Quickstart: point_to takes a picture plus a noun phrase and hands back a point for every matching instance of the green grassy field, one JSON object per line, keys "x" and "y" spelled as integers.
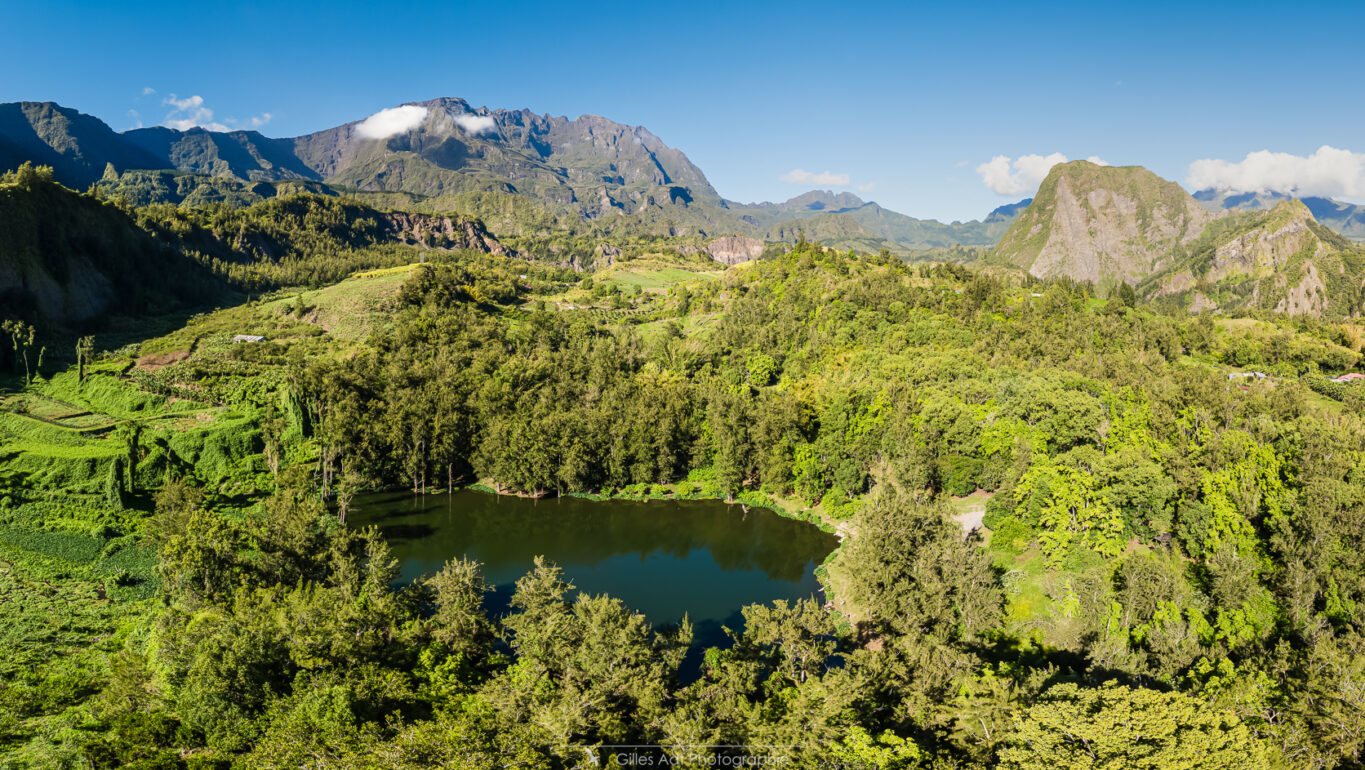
{"x": 657, "y": 277}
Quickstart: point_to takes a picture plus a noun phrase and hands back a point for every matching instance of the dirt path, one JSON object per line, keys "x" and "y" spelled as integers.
{"x": 971, "y": 510}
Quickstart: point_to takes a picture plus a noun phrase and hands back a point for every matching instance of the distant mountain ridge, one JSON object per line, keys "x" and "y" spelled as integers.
{"x": 1347, "y": 219}
{"x": 828, "y": 217}
{"x": 75, "y": 145}
{"x": 589, "y": 170}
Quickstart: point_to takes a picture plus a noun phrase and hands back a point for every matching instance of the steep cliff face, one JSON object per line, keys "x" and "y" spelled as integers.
{"x": 442, "y": 232}
{"x": 1281, "y": 260}
{"x": 1101, "y": 223}
{"x": 1267, "y": 248}
{"x": 734, "y": 249}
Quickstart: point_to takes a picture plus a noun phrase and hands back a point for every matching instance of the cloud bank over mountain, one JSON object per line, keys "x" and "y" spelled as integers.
{"x": 476, "y": 124}
{"x": 391, "y": 122}
{"x": 1329, "y": 172}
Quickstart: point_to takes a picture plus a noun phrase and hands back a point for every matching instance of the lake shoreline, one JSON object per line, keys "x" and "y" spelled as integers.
{"x": 833, "y": 601}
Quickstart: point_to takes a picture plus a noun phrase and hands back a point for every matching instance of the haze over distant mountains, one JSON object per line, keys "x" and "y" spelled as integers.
{"x": 445, "y": 155}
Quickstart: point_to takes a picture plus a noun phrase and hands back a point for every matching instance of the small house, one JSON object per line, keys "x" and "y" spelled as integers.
{"x": 1349, "y": 377}
{"x": 248, "y": 338}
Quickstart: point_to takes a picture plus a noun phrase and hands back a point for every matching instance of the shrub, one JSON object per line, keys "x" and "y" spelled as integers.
{"x": 998, "y": 509}
{"x": 1326, "y": 387}
{"x": 1012, "y": 535}
{"x": 959, "y": 474}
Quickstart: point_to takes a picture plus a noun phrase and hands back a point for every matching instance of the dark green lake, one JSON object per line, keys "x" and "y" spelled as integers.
{"x": 662, "y": 558}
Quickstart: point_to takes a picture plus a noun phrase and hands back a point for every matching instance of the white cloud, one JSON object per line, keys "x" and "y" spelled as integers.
{"x": 395, "y": 120}
{"x": 148, "y": 91}
{"x": 1329, "y": 172}
{"x": 476, "y": 124}
{"x": 826, "y": 178}
{"x": 866, "y": 188}
{"x": 190, "y": 112}
{"x": 1021, "y": 175}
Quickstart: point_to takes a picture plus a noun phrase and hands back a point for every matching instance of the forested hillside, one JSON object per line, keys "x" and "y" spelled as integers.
{"x": 1168, "y": 574}
{"x": 69, "y": 259}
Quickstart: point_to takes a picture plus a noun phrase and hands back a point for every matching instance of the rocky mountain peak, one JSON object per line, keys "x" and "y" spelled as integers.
{"x": 1099, "y": 223}
{"x": 1265, "y": 249}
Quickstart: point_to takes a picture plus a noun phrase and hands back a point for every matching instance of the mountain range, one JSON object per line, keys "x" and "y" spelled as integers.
{"x": 519, "y": 171}
{"x": 528, "y": 176}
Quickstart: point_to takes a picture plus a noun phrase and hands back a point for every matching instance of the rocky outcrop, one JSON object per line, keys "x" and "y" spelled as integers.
{"x": 605, "y": 254}
{"x": 1266, "y": 249}
{"x": 1199, "y": 303}
{"x": 608, "y": 205}
{"x": 1281, "y": 260}
{"x": 1176, "y": 283}
{"x": 1097, "y": 223}
{"x": 1307, "y": 297}
{"x": 443, "y": 232}
{"x": 1280, "y": 255}
{"x": 734, "y": 249}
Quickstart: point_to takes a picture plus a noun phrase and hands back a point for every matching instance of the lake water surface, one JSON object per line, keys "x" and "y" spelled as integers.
{"x": 662, "y": 558}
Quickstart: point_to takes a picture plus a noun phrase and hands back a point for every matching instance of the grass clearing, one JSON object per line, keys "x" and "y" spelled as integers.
{"x": 658, "y": 274}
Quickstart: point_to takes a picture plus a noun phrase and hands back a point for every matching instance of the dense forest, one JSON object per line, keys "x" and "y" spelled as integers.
{"x": 1169, "y": 572}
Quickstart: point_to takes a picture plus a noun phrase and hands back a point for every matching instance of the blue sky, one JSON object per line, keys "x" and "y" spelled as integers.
{"x": 907, "y": 101}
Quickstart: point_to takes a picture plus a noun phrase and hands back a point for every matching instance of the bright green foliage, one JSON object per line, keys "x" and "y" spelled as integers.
{"x": 1145, "y": 520}
{"x": 761, "y": 369}
{"x": 1114, "y": 727}
{"x": 1069, "y": 511}
{"x": 887, "y": 751}
{"x": 1247, "y": 491}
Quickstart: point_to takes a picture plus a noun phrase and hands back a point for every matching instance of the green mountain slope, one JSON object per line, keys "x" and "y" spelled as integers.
{"x": 1101, "y": 224}
{"x": 243, "y": 155}
{"x": 1281, "y": 260}
{"x": 143, "y": 188}
{"x": 68, "y": 258}
{"x": 76, "y": 146}
{"x": 1345, "y": 218}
